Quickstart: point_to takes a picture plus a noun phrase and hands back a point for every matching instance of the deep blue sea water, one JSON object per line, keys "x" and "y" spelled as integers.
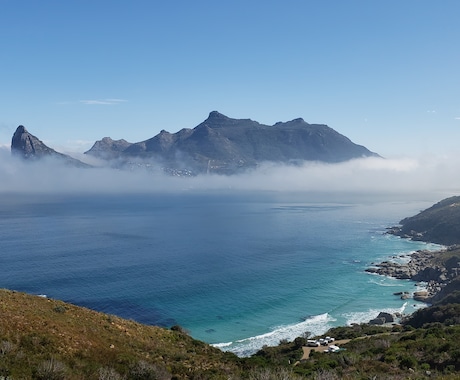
{"x": 236, "y": 270}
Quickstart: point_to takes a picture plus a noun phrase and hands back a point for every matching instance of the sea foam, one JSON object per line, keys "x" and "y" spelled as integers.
{"x": 315, "y": 325}
{"x": 365, "y": 316}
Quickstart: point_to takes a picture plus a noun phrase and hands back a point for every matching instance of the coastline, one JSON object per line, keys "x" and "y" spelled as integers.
{"x": 437, "y": 271}
{"x": 432, "y": 269}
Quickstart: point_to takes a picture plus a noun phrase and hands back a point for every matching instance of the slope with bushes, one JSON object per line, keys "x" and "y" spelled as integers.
{"x": 48, "y": 339}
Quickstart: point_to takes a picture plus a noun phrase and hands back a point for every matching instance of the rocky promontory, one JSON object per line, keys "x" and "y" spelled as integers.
{"x": 435, "y": 268}
{"x": 420, "y": 267}
{"x": 440, "y": 270}
{"x": 438, "y": 224}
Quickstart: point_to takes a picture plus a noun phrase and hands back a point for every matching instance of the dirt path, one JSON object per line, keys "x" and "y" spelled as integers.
{"x": 307, "y": 350}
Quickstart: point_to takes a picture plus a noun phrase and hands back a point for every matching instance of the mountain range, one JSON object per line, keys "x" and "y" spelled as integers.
{"x": 219, "y": 144}
{"x": 225, "y": 145}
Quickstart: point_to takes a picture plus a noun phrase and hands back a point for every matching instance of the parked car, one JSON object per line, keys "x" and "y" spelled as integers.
{"x": 333, "y": 348}
{"x": 312, "y": 343}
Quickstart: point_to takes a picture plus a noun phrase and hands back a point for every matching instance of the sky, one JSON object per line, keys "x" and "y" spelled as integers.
{"x": 383, "y": 73}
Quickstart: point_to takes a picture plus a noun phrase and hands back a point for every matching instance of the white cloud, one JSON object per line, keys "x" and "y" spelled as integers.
{"x": 457, "y": 118}
{"x": 109, "y": 101}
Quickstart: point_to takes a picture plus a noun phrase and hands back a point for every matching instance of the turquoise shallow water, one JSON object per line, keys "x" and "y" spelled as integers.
{"x": 236, "y": 270}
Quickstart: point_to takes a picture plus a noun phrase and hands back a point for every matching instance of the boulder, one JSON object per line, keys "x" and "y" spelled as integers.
{"x": 377, "y": 321}
{"x": 389, "y": 318}
{"x": 421, "y": 296}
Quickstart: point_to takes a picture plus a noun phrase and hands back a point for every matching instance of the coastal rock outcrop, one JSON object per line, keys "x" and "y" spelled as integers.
{"x": 424, "y": 266}
{"x": 377, "y": 321}
{"x": 421, "y": 267}
{"x": 382, "y": 318}
{"x": 422, "y": 296}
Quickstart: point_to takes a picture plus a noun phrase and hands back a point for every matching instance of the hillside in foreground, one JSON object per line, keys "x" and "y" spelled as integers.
{"x": 41, "y": 338}
{"x": 48, "y": 339}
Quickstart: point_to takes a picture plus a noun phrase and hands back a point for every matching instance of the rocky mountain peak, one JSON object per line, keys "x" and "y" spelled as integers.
{"x": 21, "y": 129}
{"x": 215, "y": 115}
{"x": 216, "y": 120}
{"x": 26, "y": 145}
{"x": 298, "y": 120}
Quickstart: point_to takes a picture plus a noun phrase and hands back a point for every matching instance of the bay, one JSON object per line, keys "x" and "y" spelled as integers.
{"x": 238, "y": 270}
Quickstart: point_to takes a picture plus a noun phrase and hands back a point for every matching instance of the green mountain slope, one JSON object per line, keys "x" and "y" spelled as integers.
{"x": 437, "y": 224}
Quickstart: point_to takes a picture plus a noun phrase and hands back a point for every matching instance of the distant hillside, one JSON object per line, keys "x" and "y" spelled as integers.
{"x": 29, "y": 147}
{"x": 437, "y": 224}
{"x": 224, "y": 145}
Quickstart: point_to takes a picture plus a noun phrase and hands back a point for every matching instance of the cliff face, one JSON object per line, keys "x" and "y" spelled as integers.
{"x": 225, "y": 145}
{"x": 29, "y": 147}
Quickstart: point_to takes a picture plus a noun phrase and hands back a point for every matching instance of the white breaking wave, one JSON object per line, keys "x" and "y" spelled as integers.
{"x": 316, "y": 325}
{"x": 380, "y": 281}
{"x": 365, "y": 316}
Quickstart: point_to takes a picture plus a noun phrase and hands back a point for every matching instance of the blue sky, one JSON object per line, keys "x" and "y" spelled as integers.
{"x": 384, "y": 73}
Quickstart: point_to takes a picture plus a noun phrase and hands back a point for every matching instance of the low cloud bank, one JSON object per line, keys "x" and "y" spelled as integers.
{"x": 429, "y": 177}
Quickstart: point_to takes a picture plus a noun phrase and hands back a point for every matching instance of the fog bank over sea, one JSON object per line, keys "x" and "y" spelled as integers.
{"x": 397, "y": 178}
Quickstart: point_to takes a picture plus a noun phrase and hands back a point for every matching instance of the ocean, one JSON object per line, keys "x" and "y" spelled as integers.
{"x": 237, "y": 270}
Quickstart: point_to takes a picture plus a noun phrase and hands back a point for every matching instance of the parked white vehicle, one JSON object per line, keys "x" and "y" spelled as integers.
{"x": 333, "y": 348}
{"x": 312, "y": 343}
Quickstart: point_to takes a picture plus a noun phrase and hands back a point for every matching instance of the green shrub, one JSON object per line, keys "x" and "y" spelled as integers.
{"x": 59, "y": 309}
{"x": 425, "y": 367}
{"x": 406, "y": 362}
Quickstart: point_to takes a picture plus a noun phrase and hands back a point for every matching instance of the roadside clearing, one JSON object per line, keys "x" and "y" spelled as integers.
{"x": 307, "y": 350}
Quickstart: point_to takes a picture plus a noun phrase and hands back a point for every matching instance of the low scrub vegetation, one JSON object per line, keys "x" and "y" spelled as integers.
{"x": 47, "y": 339}
{"x": 42, "y": 338}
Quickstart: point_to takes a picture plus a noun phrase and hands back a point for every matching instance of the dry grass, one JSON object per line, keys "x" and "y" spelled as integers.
{"x": 38, "y": 334}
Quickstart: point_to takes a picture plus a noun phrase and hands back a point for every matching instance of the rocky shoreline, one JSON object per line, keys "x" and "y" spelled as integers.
{"x": 437, "y": 272}
{"x": 423, "y": 266}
